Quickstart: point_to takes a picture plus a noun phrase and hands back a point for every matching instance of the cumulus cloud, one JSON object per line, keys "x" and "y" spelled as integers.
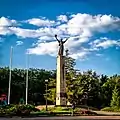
{"x": 18, "y": 43}
{"x": 86, "y": 24}
{"x": 44, "y": 38}
{"x": 44, "y": 48}
{"x": 105, "y": 43}
{"x": 40, "y": 22}
{"x": 79, "y": 27}
{"x": 62, "y": 18}
{"x": 5, "y": 31}
{"x": 24, "y": 33}
{"x": 6, "y": 22}
{"x": 80, "y": 55}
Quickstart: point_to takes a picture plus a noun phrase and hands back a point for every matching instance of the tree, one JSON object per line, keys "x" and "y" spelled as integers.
{"x": 36, "y": 87}
{"x": 82, "y": 88}
{"x": 69, "y": 63}
{"x": 115, "y": 102}
{"x": 51, "y": 96}
{"x": 107, "y": 89}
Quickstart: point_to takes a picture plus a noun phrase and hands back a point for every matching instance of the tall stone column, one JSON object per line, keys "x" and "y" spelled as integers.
{"x": 60, "y": 83}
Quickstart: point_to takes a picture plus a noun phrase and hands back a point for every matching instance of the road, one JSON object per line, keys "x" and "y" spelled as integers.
{"x": 67, "y": 118}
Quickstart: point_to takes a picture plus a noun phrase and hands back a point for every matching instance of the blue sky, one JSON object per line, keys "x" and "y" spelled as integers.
{"x": 92, "y": 25}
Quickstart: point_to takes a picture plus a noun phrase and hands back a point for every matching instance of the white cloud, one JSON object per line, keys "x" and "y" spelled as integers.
{"x": 5, "y": 25}
{"x": 24, "y": 33}
{"x": 105, "y": 43}
{"x": 51, "y": 48}
{"x": 5, "y": 31}
{"x": 18, "y": 43}
{"x": 75, "y": 41}
{"x": 86, "y": 24}
{"x": 6, "y": 22}
{"x": 62, "y": 18}
{"x": 31, "y": 33}
{"x": 94, "y": 42}
{"x": 45, "y": 38}
{"x": 79, "y": 27}
{"x": 44, "y": 48}
{"x": 81, "y": 55}
{"x": 40, "y": 22}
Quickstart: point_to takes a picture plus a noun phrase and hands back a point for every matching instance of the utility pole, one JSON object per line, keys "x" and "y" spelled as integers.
{"x": 10, "y": 67}
{"x": 27, "y": 79}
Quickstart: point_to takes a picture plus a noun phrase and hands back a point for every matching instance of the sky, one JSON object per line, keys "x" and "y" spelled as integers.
{"x": 92, "y": 26}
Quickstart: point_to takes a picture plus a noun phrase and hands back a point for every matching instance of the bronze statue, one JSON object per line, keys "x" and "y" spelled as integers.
{"x": 61, "y": 44}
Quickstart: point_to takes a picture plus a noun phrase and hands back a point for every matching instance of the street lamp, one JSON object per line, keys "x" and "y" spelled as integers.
{"x": 73, "y": 102}
{"x": 46, "y": 83}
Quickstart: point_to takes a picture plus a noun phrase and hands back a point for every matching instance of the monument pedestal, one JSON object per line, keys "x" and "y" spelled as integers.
{"x": 60, "y": 82}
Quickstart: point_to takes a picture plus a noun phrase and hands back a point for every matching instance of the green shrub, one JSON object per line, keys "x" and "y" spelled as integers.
{"x": 17, "y": 110}
{"x": 77, "y": 110}
{"x": 7, "y": 106}
{"x": 24, "y": 109}
{"x": 57, "y": 109}
{"x": 111, "y": 109}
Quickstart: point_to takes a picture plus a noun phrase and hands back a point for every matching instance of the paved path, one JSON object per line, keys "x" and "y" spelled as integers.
{"x": 68, "y": 118}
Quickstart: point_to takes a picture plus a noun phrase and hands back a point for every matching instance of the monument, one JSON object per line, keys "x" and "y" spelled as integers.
{"x": 60, "y": 80}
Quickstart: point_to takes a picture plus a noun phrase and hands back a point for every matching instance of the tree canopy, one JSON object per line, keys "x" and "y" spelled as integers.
{"x": 83, "y": 88}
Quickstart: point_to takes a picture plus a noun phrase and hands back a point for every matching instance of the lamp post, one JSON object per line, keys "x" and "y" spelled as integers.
{"x": 46, "y": 83}
{"x": 9, "y": 89}
{"x": 73, "y": 102}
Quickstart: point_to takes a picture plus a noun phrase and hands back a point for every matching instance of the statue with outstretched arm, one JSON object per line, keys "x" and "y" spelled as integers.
{"x": 61, "y": 45}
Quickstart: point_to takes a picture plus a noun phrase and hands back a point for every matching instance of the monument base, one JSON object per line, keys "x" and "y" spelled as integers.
{"x": 60, "y": 83}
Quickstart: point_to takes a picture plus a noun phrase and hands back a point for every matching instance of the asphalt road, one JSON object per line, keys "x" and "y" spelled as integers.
{"x": 67, "y": 118}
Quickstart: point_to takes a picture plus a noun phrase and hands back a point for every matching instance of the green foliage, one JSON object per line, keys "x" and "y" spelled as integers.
{"x": 108, "y": 109}
{"x": 111, "y": 109}
{"x": 84, "y": 89}
{"x": 51, "y": 96}
{"x": 88, "y": 88}
{"x": 115, "y": 102}
{"x": 57, "y": 109}
{"x": 69, "y": 64}
{"x": 107, "y": 89}
{"x": 17, "y": 110}
{"x": 36, "y": 87}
